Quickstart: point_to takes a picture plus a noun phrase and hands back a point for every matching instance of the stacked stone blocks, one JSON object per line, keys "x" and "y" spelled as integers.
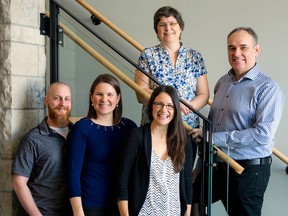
{"x": 22, "y": 84}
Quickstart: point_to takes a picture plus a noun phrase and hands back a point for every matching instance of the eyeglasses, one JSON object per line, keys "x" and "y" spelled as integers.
{"x": 163, "y": 24}
{"x": 161, "y": 105}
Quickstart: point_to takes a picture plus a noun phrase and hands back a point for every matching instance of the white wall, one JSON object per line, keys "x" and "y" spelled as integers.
{"x": 207, "y": 24}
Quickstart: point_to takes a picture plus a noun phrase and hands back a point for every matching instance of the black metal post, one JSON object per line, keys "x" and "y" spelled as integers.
{"x": 54, "y": 54}
{"x": 206, "y": 158}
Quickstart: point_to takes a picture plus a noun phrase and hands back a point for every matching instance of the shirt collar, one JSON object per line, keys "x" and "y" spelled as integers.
{"x": 46, "y": 130}
{"x": 251, "y": 74}
{"x": 179, "y": 51}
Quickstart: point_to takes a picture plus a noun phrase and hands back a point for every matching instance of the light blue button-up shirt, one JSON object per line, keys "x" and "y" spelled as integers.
{"x": 245, "y": 114}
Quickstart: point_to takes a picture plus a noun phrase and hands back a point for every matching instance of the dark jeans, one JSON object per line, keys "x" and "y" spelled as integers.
{"x": 246, "y": 190}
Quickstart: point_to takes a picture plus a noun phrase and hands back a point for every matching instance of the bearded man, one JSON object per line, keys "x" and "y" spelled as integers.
{"x": 38, "y": 170}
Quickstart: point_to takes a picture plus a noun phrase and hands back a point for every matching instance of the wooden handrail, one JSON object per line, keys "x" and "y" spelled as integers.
{"x": 280, "y": 155}
{"x": 230, "y": 161}
{"x": 111, "y": 25}
{"x": 105, "y": 62}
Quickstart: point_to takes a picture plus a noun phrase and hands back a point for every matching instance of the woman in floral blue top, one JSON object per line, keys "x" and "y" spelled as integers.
{"x": 173, "y": 64}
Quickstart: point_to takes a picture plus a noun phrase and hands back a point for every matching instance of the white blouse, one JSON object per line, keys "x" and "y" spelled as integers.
{"x": 163, "y": 196}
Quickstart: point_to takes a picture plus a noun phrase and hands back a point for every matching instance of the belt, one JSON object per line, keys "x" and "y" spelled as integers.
{"x": 257, "y": 161}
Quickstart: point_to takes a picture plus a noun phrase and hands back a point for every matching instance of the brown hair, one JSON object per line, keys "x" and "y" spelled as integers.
{"x": 168, "y": 11}
{"x": 176, "y": 134}
{"x": 111, "y": 80}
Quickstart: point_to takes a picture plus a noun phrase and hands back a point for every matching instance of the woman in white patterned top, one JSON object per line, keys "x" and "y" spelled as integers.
{"x": 172, "y": 63}
{"x": 157, "y": 161}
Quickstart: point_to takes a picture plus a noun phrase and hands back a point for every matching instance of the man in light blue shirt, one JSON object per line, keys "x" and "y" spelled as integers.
{"x": 245, "y": 114}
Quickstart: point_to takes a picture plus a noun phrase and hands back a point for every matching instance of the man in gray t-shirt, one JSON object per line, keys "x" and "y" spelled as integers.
{"x": 38, "y": 169}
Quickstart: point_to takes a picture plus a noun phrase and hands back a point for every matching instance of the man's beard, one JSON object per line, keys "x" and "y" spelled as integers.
{"x": 62, "y": 120}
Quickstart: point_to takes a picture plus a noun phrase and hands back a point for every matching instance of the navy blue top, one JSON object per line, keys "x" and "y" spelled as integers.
{"x": 92, "y": 161}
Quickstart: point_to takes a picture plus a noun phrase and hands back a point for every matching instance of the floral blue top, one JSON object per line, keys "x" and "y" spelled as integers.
{"x": 183, "y": 76}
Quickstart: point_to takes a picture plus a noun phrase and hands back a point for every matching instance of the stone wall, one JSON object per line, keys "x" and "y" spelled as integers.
{"x": 22, "y": 84}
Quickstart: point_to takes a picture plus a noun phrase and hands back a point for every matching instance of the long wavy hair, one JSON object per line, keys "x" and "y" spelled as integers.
{"x": 111, "y": 80}
{"x": 176, "y": 134}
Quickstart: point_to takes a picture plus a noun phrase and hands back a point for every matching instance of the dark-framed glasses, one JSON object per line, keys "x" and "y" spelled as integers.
{"x": 160, "y": 105}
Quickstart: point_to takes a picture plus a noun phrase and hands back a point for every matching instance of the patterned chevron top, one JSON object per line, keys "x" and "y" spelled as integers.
{"x": 163, "y": 196}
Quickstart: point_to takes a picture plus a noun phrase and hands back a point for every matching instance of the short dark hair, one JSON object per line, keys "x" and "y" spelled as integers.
{"x": 168, "y": 11}
{"x": 176, "y": 134}
{"x": 248, "y": 30}
{"x": 106, "y": 78}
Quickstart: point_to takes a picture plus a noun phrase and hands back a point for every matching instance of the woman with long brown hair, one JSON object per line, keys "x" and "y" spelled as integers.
{"x": 156, "y": 168}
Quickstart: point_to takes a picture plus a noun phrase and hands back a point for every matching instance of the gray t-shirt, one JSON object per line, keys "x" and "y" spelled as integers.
{"x": 40, "y": 157}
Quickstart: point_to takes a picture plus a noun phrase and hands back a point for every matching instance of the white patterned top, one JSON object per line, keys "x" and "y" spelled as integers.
{"x": 182, "y": 76}
{"x": 163, "y": 196}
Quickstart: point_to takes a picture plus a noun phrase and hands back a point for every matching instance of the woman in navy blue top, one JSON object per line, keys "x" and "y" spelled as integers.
{"x": 93, "y": 145}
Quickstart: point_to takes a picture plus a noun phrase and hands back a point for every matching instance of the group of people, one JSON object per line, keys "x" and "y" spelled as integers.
{"x": 105, "y": 165}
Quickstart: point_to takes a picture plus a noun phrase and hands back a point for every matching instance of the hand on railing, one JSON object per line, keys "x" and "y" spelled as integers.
{"x": 197, "y": 135}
